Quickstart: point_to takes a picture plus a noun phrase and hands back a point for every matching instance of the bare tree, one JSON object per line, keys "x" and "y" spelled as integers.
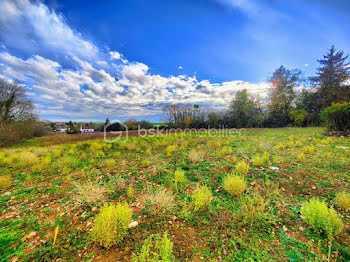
{"x": 14, "y": 104}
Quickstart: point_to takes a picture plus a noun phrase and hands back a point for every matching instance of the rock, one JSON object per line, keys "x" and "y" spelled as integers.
{"x": 133, "y": 224}
{"x": 6, "y": 194}
{"x": 94, "y": 209}
{"x": 274, "y": 168}
{"x": 313, "y": 187}
{"x": 285, "y": 229}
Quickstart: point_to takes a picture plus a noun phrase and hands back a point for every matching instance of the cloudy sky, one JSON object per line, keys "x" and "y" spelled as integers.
{"x": 88, "y": 60}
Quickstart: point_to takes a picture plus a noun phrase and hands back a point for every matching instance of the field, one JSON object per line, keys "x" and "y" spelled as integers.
{"x": 52, "y": 196}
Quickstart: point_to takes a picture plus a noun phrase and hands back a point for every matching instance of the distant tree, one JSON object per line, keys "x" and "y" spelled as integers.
{"x": 244, "y": 110}
{"x": 14, "y": 104}
{"x": 107, "y": 122}
{"x": 307, "y": 100}
{"x": 282, "y": 93}
{"x": 331, "y": 79}
{"x": 298, "y": 116}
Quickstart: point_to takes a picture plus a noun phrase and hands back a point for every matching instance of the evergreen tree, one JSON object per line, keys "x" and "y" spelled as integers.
{"x": 331, "y": 78}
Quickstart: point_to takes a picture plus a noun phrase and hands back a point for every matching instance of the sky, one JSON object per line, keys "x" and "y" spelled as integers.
{"x": 87, "y": 60}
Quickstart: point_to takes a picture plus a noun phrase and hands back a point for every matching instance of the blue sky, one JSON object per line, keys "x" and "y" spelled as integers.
{"x": 88, "y": 60}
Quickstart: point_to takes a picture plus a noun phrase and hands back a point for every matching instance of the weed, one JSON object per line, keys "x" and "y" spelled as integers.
{"x": 266, "y": 157}
{"x": 258, "y": 161}
{"x": 5, "y": 182}
{"x": 301, "y": 158}
{"x": 155, "y": 249}
{"x": 242, "y": 167}
{"x": 110, "y": 163}
{"x": 308, "y": 150}
{"x": 321, "y": 218}
{"x": 180, "y": 180}
{"x": 89, "y": 193}
{"x": 279, "y": 147}
{"x": 145, "y": 163}
{"x": 170, "y": 149}
{"x": 343, "y": 201}
{"x": 202, "y": 197}
{"x": 159, "y": 201}
{"x": 224, "y": 152}
{"x": 234, "y": 185}
{"x": 111, "y": 224}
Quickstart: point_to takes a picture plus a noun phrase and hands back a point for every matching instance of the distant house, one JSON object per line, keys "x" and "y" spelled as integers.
{"x": 61, "y": 129}
{"x": 87, "y": 129}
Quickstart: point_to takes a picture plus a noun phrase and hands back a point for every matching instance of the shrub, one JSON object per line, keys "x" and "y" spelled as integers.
{"x": 5, "y": 182}
{"x": 337, "y": 116}
{"x": 279, "y": 147}
{"x": 258, "y": 161}
{"x": 211, "y": 144}
{"x": 301, "y": 158}
{"x": 308, "y": 150}
{"x": 155, "y": 249}
{"x": 234, "y": 185}
{"x": 145, "y": 163}
{"x": 111, "y": 224}
{"x": 202, "y": 197}
{"x": 242, "y": 168}
{"x": 180, "y": 179}
{"x": 89, "y": 193}
{"x": 159, "y": 201}
{"x": 170, "y": 149}
{"x": 266, "y": 157}
{"x": 109, "y": 163}
{"x": 253, "y": 213}
{"x": 343, "y": 201}
{"x": 224, "y": 152}
{"x": 321, "y": 218}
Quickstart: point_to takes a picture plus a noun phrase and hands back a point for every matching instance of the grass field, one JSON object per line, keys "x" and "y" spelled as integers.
{"x": 222, "y": 198}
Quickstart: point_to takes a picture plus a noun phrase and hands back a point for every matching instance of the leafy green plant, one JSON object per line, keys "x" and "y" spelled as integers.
{"x": 234, "y": 185}
{"x": 202, "y": 197}
{"x": 308, "y": 150}
{"x": 321, "y": 218}
{"x": 111, "y": 224}
{"x": 258, "y": 160}
{"x": 343, "y": 201}
{"x": 242, "y": 167}
{"x": 180, "y": 180}
{"x": 155, "y": 249}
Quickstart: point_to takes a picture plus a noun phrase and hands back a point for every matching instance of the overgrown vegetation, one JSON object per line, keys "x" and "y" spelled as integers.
{"x": 246, "y": 197}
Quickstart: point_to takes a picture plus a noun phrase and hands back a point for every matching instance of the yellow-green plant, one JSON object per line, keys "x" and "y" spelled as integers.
{"x": 212, "y": 144}
{"x": 234, "y": 160}
{"x": 279, "y": 147}
{"x": 301, "y": 158}
{"x": 170, "y": 149}
{"x": 321, "y": 218}
{"x": 308, "y": 150}
{"x": 234, "y": 185}
{"x": 110, "y": 163}
{"x": 145, "y": 162}
{"x": 266, "y": 157}
{"x": 343, "y": 201}
{"x": 257, "y": 160}
{"x": 155, "y": 249}
{"x": 130, "y": 191}
{"x": 224, "y": 152}
{"x": 111, "y": 224}
{"x": 5, "y": 182}
{"x": 180, "y": 179}
{"x": 202, "y": 197}
{"x": 242, "y": 167}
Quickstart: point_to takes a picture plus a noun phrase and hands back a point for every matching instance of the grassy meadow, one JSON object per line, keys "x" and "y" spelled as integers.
{"x": 178, "y": 197}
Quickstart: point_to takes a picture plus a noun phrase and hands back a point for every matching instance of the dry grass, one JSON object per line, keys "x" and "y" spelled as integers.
{"x": 89, "y": 193}
{"x": 159, "y": 201}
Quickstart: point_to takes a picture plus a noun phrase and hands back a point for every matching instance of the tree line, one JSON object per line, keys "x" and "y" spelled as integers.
{"x": 286, "y": 105}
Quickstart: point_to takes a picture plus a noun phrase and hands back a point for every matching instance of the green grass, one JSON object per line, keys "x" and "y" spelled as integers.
{"x": 230, "y": 228}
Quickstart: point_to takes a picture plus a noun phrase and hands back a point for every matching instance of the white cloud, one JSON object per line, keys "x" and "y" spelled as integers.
{"x": 115, "y": 55}
{"x": 33, "y": 28}
{"x": 91, "y": 87}
{"x": 180, "y": 67}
